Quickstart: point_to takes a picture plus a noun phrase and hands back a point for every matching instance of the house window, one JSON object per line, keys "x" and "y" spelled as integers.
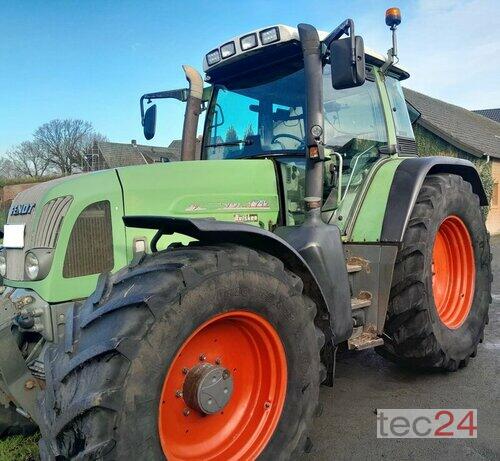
{"x": 494, "y": 196}
{"x": 162, "y": 160}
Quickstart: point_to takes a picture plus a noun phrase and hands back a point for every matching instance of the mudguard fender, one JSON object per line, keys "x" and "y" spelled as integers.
{"x": 406, "y": 185}
{"x": 211, "y": 231}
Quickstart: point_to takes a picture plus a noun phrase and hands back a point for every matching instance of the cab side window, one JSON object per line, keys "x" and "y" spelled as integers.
{"x": 399, "y": 108}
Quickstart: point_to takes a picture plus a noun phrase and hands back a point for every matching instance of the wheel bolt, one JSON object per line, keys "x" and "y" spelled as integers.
{"x": 185, "y": 371}
{"x": 203, "y": 357}
{"x": 186, "y": 412}
{"x": 178, "y": 393}
{"x": 225, "y": 374}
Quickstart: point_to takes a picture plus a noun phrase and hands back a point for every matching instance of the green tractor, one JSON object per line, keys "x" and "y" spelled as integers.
{"x": 312, "y": 225}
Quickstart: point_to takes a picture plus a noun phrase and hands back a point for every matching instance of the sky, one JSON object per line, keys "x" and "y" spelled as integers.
{"x": 92, "y": 60}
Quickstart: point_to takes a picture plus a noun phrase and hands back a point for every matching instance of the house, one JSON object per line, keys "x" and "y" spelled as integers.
{"x": 447, "y": 129}
{"x": 494, "y": 114}
{"x": 114, "y": 154}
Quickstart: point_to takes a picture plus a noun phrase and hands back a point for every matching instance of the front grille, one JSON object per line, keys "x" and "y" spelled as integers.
{"x": 50, "y": 222}
{"x": 406, "y": 146}
{"x": 15, "y": 256}
{"x": 90, "y": 247}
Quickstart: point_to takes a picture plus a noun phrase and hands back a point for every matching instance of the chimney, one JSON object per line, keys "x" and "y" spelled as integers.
{"x": 134, "y": 142}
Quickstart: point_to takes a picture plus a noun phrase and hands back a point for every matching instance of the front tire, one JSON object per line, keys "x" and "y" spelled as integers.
{"x": 117, "y": 386}
{"x": 441, "y": 286}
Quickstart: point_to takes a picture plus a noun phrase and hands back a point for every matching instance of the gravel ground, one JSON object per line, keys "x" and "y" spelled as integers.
{"x": 364, "y": 381}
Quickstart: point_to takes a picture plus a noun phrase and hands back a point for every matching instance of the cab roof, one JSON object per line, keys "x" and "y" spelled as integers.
{"x": 286, "y": 34}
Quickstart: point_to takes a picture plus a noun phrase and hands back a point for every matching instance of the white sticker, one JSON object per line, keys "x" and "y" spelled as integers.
{"x": 13, "y": 236}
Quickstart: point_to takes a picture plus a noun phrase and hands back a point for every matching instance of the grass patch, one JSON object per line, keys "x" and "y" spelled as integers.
{"x": 19, "y": 448}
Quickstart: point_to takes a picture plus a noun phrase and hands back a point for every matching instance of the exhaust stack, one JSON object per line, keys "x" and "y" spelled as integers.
{"x": 192, "y": 114}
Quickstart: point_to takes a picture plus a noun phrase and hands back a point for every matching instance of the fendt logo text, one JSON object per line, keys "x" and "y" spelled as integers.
{"x": 22, "y": 209}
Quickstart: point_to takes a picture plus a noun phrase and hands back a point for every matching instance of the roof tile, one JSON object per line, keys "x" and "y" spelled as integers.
{"x": 462, "y": 128}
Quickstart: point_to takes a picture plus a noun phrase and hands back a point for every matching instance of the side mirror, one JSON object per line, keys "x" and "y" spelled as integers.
{"x": 149, "y": 122}
{"x": 345, "y": 72}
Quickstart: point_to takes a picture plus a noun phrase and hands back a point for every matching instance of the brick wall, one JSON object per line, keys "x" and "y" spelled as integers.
{"x": 493, "y": 221}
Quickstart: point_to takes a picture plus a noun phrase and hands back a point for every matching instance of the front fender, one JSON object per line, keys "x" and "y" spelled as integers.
{"x": 211, "y": 231}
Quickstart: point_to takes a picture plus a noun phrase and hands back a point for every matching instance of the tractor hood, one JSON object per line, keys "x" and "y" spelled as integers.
{"x": 228, "y": 190}
{"x": 74, "y": 219}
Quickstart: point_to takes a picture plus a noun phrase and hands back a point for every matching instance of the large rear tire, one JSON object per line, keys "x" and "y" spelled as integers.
{"x": 132, "y": 378}
{"x": 441, "y": 286}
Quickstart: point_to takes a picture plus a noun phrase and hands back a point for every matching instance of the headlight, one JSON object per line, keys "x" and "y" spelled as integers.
{"x": 227, "y": 50}
{"x": 248, "y": 42}
{"x": 3, "y": 264}
{"x": 213, "y": 57}
{"x": 31, "y": 266}
{"x": 270, "y": 35}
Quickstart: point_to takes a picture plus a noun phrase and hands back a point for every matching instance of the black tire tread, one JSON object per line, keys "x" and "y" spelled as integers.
{"x": 69, "y": 422}
{"x": 410, "y": 338}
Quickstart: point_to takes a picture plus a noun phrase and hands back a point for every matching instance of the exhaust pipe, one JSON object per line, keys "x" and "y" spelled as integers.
{"x": 192, "y": 114}
{"x": 313, "y": 69}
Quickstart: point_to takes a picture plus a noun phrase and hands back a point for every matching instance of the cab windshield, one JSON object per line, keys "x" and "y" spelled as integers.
{"x": 268, "y": 118}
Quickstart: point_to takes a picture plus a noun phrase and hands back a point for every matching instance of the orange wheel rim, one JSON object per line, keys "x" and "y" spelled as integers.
{"x": 250, "y": 351}
{"x": 453, "y": 272}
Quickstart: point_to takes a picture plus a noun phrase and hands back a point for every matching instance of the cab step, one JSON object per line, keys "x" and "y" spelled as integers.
{"x": 364, "y": 299}
{"x": 352, "y": 268}
{"x": 366, "y": 340}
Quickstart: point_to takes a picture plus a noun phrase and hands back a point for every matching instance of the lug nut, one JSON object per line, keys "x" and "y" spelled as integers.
{"x": 225, "y": 374}
{"x": 178, "y": 393}
{"x": 203, "y": 357}
{"x": 186, "y": 412}
{"x": 218, "y": 361}
{"x": 185, "y": 371}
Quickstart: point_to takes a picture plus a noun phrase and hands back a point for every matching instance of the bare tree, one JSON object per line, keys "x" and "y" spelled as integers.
{"x": 65, "y": 143}
{"x": 7, "y": 170}
{"x": 26, "y": 159}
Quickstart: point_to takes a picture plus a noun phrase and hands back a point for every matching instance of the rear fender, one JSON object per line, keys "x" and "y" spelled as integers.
{"x": 406, "y": 185}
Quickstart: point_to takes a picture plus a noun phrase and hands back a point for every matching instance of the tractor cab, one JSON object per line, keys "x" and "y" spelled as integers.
{"x": 257, "y": 108}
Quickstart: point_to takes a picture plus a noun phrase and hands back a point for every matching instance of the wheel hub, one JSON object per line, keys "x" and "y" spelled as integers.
{"x": 235, "y": 416}
{"x": 207, "y": 388}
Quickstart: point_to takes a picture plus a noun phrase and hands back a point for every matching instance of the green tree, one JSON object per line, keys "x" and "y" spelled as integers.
{"x": 231, "y": 135}
{"x": 249, "y": 131}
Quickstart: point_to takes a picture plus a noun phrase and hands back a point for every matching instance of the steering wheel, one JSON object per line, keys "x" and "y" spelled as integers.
{"x": 288, "y": 136}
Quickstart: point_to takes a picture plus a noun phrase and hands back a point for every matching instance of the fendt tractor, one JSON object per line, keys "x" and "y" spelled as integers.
{"x": 71, "y": 230}
{"x": 308, "y": 224}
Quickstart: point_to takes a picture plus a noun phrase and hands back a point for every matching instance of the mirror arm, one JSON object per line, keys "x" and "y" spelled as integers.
{"x": 181, "y": 95}
{"x": 347, "y": 28}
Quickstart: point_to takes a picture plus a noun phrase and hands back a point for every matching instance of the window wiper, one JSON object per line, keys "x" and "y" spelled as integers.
{"x": 247, "y": 142}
